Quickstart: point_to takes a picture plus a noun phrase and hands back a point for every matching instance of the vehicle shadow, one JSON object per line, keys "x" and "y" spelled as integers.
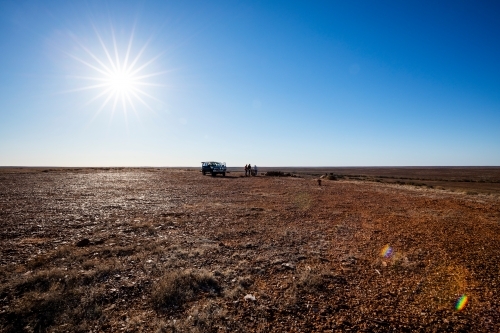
{"x": 230, "y": 176}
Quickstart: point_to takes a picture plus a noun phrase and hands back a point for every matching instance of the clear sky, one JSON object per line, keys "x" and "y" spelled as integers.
{"x": 272, "y": 83}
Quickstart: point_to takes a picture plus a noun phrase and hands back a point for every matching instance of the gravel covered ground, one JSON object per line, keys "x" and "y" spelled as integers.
{"x": 165, "y": 250}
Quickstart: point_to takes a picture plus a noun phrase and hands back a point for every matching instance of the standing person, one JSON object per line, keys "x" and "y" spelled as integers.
{"x": 246, "y": 170}
{"x": 255, "y": 169}
{"x": 249, "y": 169}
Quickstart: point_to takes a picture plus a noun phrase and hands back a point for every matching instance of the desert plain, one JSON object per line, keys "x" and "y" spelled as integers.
{"x": 171, "y": 250}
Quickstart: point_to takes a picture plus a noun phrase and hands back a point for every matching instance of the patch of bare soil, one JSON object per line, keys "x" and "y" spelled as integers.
{"x": 163, "y": 250}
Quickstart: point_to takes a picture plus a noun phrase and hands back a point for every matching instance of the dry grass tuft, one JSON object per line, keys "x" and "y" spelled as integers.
{"x": 47, "y": 298}
{"x": 205, "y": 318}
{"x": 176, "y": 288}
{"x": 311, "y": 282}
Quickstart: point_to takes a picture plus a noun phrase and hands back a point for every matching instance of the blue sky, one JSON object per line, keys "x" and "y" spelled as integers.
{"x": 272, "y": 83}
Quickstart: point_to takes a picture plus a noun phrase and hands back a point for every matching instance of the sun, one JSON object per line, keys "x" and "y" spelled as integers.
{"x": 118, "y": 76}
{"x": 122, "y": 82}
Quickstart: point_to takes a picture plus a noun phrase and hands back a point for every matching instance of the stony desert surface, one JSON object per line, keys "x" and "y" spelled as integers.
{"x": 171, "y": 250}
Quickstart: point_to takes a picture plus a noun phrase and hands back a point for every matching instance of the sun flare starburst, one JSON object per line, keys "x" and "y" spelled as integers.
{"x": 118, "y": 77}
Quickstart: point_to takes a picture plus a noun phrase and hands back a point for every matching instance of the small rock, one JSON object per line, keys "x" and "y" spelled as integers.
{"x": 288, "y": 265}
{"x": 249, "y": 297}
{"x": 110, "y": 307}
{"x": 83, "y": 242}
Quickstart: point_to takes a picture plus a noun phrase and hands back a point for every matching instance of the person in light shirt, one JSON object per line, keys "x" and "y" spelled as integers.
{"x": 255, "y": 169}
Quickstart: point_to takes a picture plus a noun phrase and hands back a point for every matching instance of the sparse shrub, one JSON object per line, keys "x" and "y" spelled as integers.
{"x": 311, "y": 282}
{"x": 36, "y": 313}
{"x": 48, "y": 297}
{"x": 176, "y": 288}
{"x": 146, "y": 226}
{"x": 40, "y": 282}
{"x": 46, "y": 259}
{"x": 38, "y": 262}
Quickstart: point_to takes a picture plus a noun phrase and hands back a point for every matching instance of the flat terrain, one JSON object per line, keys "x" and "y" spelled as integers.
{"x": 471, "y": 180}
{"x": 170, "y": 250}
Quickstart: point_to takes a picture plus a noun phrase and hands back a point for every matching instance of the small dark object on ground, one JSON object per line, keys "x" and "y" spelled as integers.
{"x": 83, "y": 242}
{"x": 278, "y": 174}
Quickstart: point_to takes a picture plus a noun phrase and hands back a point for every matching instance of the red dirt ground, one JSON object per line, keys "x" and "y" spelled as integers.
{"x": 310, "y": 255}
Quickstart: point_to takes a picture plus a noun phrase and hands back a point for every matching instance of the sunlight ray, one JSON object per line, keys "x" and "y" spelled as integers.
{"x": 152, "y": 74}
{"x": 145, "y": 94}
{"x": 142, "y": 101}
{"x": 110, "y": 71}
{"x": 150, "y": 84}
{"x": 123, "y": 104}
{"x": 138, "y": 56}
{"x": 116, "y": 50}
{"x": 132, "y": 105}
{"x": 105, "y": 49}
{"x": 146, "y": 64}
{"x": 107, "y": 91}
{"x": 114, "y": 105}
{"x": 129, "y": 47}
{"x": 87, "y": 64}
{"x": 89, "y": 78}
{"x": 102, "y": 107}
{"x": 86, "y": 88}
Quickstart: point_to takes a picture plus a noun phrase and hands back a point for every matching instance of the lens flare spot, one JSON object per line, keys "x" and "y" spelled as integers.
{"x": 386, "y": 251}
{"x": 461, "y": 303}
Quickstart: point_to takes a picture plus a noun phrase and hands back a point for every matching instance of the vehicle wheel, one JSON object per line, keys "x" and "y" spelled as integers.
{"x": 223, "y": 174}
{"x": 204, "y": 173}
{"x": 213, "y": 174}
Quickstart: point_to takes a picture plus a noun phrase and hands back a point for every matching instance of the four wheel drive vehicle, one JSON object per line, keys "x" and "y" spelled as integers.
{"x": 213, "y": 168}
